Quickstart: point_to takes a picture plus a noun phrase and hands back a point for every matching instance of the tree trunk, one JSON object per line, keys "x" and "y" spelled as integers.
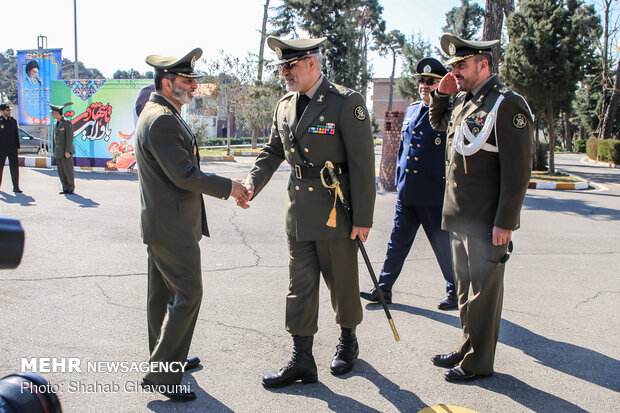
{"x": 610, "y": 114}
{"x": 261, "y": 51}
{"x": 551, "y": 140}
{"x": 493, "y": 23}
{"x": 569, "y": 132}
{"x": 392, "y": 82}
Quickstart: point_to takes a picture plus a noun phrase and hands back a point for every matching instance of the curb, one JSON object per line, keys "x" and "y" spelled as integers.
{"x": 558, "y": 185}
{"x": 226, "y": 158}
{"x": 609, "y": 165}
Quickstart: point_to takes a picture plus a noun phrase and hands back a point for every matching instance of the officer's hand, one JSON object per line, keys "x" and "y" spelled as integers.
{"x": 67, "y": 155}
{"x": 447, "y": 86}
{"x": 361, "y": 232}
{"x": 501, "y": 236}
{"x": 240, "y": 193}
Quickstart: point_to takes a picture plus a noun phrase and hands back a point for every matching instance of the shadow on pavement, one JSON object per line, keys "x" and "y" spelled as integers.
{"x": 403, "y": 400}
{"x": 335, "y": 402}
{"x": 91, "y": 175}
{"x": 22, "y": 199}
{"x": 577, "y": 361}
{"x": 569, "y": 206}
{"x": 83, "y": 202}
{"x": 203, "y": 403}
{"x": 526, "y": 395}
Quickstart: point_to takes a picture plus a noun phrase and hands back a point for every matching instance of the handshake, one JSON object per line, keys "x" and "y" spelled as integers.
{"x": 242, "y": 192}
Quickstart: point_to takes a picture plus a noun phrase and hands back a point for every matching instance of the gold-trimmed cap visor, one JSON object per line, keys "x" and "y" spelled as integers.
{"x": 459, "y": 49}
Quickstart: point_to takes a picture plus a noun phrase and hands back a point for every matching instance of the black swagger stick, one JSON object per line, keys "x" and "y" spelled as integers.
{"x": 335, "y": 185}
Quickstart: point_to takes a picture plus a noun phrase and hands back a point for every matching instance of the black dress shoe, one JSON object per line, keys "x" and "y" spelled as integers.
{"x": 63, "y": 192}
{"x": 69, "y": 192}
{"x": 373, "y": 296}
{"x": 178, "y": 392}
{"x": 192, "y": 363}
{"x": 458, "y": 373}
{"x": 448, "y": 303}
{"x": 447, "y": 360}
{"x": 17, "y": 190}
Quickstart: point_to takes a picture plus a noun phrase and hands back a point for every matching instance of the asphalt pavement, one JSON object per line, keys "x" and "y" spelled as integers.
{"x": 80, "y": 294}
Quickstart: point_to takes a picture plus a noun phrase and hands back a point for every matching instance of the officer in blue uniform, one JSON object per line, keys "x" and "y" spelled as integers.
{"x": 420, "y": 179}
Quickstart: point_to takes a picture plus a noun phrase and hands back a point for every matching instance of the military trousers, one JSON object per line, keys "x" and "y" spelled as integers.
{"x": 336, "y": 260}
{"x": 65, "y": 172}
{"x": 13, "y": 165}
{"x": 479, "y": 276}
{"x": 407, "y": 220}
{"x": 173, "y": 302}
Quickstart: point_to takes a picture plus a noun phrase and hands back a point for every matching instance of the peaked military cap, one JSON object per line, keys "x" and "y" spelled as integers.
{"x": 4, "y": 106}
{"x": 430, "y": 67}
{"x": 459, "y": 49}
{"x": 59, "y": 108}
{"x": 292, "y": 49}
{"x": 183, "y": 66}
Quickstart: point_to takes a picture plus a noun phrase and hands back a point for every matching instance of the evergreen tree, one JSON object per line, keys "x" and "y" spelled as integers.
{"x": 464, "y": 21}
{"x": 345, "y": 23}
{"x": 390, "y": 43}
{"x": 551, "y": 42}
{"x": 414, "y": 50}
{"x": 68, "y": 70}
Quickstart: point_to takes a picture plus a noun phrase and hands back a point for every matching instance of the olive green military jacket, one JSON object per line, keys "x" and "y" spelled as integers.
{"x": 171, "y": 182}
{"x": 63, "y": 138}
{"x": 486, "y": 188}
{"x": 334, "y": 127}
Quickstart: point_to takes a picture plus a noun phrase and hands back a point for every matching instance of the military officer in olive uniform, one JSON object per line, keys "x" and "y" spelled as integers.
{"x": 489, "y": 134}
{"x": 9, "y": 145}
{"x": 420, "y": 179}
{"x": 63, "y": 149}
{"x": 318, "y": 121}
{"x": 173, "y": 217}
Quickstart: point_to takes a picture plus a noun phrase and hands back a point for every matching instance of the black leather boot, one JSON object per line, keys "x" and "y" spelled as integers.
{"x": 347, "y": 351}
{"x": 300, "y": 367}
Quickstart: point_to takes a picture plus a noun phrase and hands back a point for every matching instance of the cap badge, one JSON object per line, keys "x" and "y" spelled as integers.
{"x": 427, "y": 69}
{"x": 519, "y": 121}
{"x": 278, "y": 51}
{"x": 359, "y": 113}
{"x": 452, "y": 49}
{"x": 193, "y": 62}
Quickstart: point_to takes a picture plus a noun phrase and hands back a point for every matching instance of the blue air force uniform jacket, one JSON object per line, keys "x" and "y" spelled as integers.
{"x": 420, "y": 171}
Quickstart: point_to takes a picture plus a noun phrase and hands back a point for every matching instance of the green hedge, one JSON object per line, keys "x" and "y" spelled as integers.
{"x": 609, "y": 150}
{"x": 233, "y": 141}
{"x": 580, "y": 145}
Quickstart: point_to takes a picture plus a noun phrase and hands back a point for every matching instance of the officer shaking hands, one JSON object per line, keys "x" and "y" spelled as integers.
{"x": 489, "y": 134}
{"x": 318, "y": 121}
{"x": 420, "y": 180}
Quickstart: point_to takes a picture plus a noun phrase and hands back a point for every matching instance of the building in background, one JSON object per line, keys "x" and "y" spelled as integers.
{"x": 379, "y": 99}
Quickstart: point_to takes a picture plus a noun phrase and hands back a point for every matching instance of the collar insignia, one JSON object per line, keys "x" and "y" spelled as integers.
{"x": 320, "y": 99}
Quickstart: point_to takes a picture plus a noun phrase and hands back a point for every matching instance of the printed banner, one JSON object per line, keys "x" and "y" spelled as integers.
{"x": 104, "y": 116}
{"x": 36, "y": 69}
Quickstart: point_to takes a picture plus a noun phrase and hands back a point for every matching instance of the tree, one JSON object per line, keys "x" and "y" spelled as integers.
{"x": 131, "y": 74}
{"x": 390, "y": 43}
{"x": 464, "y": 21}
{"x": 8, "y": 69}
{"x": 68, "y": 69}
{"x": 414, "y": 50}
{"x": 551, "y": 43}
{"x": 494, "y": 22}
{"x": 345, "y": 24}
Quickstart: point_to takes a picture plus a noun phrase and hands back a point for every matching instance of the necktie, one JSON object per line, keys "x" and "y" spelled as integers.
{"x": 302, "y": 102}
{"x": 468, "y": 97}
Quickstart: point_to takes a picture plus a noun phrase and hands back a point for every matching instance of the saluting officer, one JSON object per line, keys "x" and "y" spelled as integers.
{"x": 420, "y": 180}
{"x": 489, "y": 134}
{"x": 63, "y": 149}
{"x": 318, "y": 121}
{"x": 173, "y": 218}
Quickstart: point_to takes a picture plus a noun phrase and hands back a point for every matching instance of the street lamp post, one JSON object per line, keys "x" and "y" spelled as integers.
{"x": 77, "y": 75}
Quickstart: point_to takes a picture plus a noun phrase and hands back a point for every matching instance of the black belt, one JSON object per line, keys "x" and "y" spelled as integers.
{"x": 302, "y": 172}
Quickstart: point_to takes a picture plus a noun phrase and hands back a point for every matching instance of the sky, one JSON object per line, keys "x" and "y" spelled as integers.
{"x": 115, "y": 34}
